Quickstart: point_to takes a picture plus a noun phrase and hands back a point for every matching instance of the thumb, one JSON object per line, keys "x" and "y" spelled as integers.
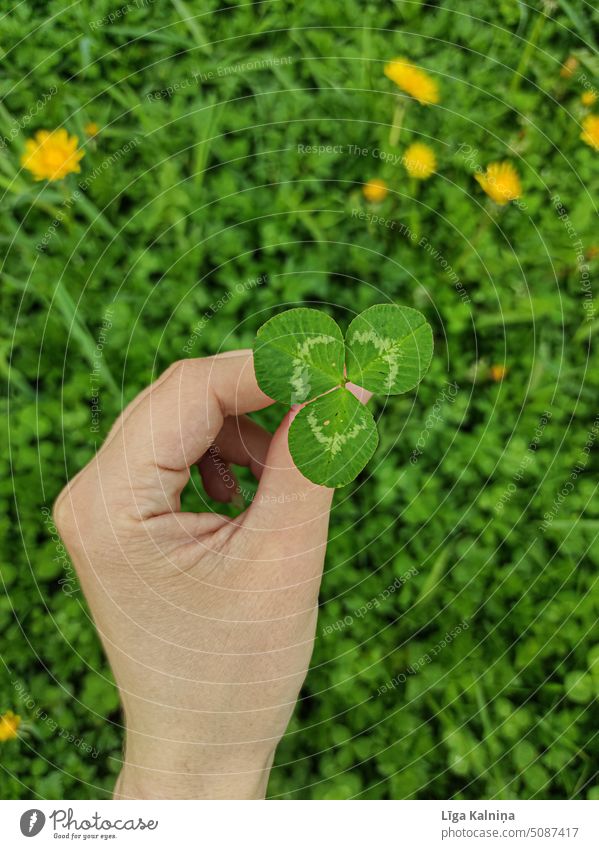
{"x": 286, "y": 500}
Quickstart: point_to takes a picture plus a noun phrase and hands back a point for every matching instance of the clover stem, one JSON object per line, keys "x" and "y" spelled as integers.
{"x": 398, "y": 117}
{"x": 415, "y": 211}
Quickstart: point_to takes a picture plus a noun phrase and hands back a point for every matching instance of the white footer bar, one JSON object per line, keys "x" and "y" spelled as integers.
{"x": 302, "y": 824}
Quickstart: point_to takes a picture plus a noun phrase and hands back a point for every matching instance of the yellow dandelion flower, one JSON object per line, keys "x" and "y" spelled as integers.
{"x": 420, "y": 161}
{"x": 52, "y": 155}
{"x": 91, "y": 129}
{"x": 9, "y": 724}
{"x": 501, "y": 182}
{"x": 498, "y": 373}
{"x": 588, "y": 98}
{"x": 413, "y": 80}
{"x": 590, "y": 131}
{"x": 375, "y": 191}
{"x": 568, "y": 67}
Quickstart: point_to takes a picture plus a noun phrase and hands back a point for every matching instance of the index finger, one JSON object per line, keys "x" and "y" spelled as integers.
{"x": 174, "y": 423}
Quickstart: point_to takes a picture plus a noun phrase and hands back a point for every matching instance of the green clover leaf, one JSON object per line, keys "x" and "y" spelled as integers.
{"x": 300, "y": 356}
{"x": 333, "y": 438}
{"x": 389, "y": 349}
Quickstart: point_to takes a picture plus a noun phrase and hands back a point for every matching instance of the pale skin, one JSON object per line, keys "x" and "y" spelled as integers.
{"x": 208, "y": 622}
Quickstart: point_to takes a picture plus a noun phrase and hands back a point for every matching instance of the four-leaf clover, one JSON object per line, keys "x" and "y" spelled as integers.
{"x": 300, "y": 357}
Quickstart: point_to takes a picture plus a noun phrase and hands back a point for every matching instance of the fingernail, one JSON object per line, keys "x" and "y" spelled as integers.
{"x": 293, "y": 411}
{"x": 363, "y": 395}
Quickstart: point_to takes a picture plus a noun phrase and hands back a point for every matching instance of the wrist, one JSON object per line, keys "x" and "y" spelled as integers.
{"x": 161, "y": 770}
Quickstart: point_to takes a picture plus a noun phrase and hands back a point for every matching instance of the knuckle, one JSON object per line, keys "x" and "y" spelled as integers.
{"x": 178, "y": 373}
{"x": 63, "y": 513}
{"x": 72, "y": 506}
{"x": 180, "y": 367}
{"x": 188, "y": 374}
{"x": 174, "y": 367}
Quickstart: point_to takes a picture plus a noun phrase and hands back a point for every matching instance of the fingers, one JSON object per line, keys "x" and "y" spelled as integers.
{"x": 245, "y": 443}
{"x": 240, "y": 441}
{"x": 218, "y": 480}
{"x": 170, "y": 427}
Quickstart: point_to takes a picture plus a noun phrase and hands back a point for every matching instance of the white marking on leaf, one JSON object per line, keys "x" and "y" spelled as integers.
{"x": 389, "y": 350}
{"x": 301, "y": 369}
{"x": 334, "y": 443}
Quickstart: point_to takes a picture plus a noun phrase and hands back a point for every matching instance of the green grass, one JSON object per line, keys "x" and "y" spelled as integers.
{"x": 190, "y": 195}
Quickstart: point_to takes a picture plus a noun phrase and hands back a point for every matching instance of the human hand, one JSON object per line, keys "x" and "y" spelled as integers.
{"x": 208, "y": 622}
